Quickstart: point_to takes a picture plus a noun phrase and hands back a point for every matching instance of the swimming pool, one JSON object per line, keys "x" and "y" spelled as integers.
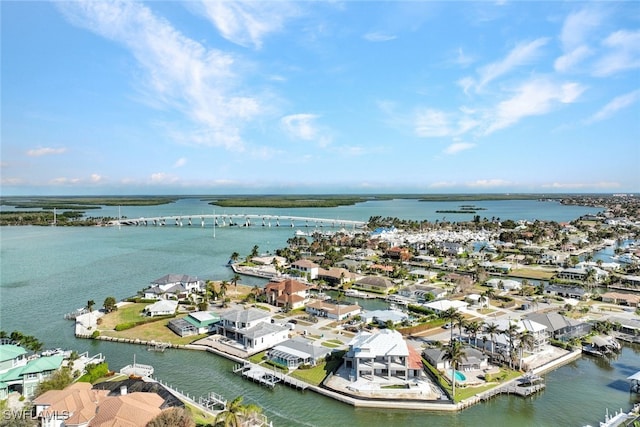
{"x": 460, "y": 376}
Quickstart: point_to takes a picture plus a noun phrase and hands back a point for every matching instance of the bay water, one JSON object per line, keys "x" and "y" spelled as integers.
{"x": 46, "y": 272}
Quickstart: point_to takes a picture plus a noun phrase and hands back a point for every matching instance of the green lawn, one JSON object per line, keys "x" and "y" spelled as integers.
{"x": 318, "y": 373}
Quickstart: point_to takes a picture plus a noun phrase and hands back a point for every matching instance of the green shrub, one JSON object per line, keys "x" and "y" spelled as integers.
{"x": 95, "y": 334}
{"x": 94, "y": 372}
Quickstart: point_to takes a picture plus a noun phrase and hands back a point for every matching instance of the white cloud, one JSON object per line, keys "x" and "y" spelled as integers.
{"x": 429, "y": 123}
{"x": 520, "y": 55}
{"x": 443, "y": 184}
{"x": 178, "y": 72}
{"x": 571, "y": 59}
{"x": 533, "y": 98}
{"x": 163, "y": 178}
{"x": 582, "y": 185}
{"x": 457, "y": 147}
{"x": 623, "y": 54}
{"x": 247, "y": 23}
{"x": 45, "y": 151}
{"x": 488, "y": 183}
{"x": 95, "y": 178}
{"x": 378, "y": 37}
{"x": 618, "y": 103}
{"x": 180, "y": 163}
{"x": 300, "y": 126}
{"x": 577, "y": 26}
{"x": 463, "y": 59}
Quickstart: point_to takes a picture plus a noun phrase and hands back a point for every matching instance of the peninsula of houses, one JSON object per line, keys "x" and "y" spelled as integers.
{"x": 470, "y": 310}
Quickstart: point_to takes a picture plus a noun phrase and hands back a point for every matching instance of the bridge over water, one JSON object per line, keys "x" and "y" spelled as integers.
{"x": 240, "y": 220}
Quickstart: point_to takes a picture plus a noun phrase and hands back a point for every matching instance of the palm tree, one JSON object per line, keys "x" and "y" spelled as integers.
{"x": 234, "y": 280}
{"x": 526, "y": 342}
{"x": 492, "y": 330}
{"x": 254, "y": 251}
{"x": 453, "y": 353}
{"x": 90, "y": 305}
{"x": 235, "y": 414}
{"x": 224, "y": 285}
{"x": 488, "y": 294}
{"x": 450, "y": 314}
{"x": 472, "y": 328}
{"x": 511, "y": 332}
{"x": 234, "y": 257}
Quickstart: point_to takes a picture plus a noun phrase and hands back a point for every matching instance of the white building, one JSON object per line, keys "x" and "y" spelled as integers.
{"x": 383, "y": 354}
{"x": 252, "y": 329}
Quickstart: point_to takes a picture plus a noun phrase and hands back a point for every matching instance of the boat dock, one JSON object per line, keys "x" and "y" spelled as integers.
{"x": 523, "y": 391}
{"x": 267, "y": 377}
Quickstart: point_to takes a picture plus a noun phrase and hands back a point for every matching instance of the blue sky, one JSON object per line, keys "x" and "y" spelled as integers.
{"x": 196, "y": 97}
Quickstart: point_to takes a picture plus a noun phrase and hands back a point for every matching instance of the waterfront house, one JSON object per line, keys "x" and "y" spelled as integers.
{"x": 298, "y": 351}
{"x": 190, "y": 283}
{"x": 336, "y": 275}
{"x": 631, "y": 300}
{"x": 287, "y": 293}
{"x": 199, "y": 322}
{"x": 422, "y": 293}
{"x": 161, "y": 308}
{"x": 496, "y": 267}
{"x": 423, "y": 274}
{"x": 332, "y": 309}
{"x": 175, "y": 292}
{"x": 581, "y": 274}
{"x": 111, "y": 403}
{"x": 75, "y": 405}
{"x": 553, "y": 258}
{"x": 306, "y": 268}
{"x": 537, "y": 330}
{"x": 382, "y": 317}
{"x": 251, "y": 329}
{"x": 441, "y": 306}
{"x": 472, "y": 359}
{"x": 377, "y": 284}
{"x": 506, "y": 284}
{"x": 560, "y": 327}
{"x": 383, "y": 354}
{"x": 564, "y": 291}
{"x": 21, "y": 373}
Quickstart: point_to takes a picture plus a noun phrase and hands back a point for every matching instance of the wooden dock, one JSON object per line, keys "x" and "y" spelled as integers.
{"x": 267, "y": 377}
{"x": 523, "y": 391}
{"x": 213, "y": 401}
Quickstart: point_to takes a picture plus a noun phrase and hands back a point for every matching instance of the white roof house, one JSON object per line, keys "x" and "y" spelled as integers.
{"x": 383, "y": 354}
{"x": 445, "y": 304}
{"x": 506, "y": 284}
{"x": 161, "y": 308}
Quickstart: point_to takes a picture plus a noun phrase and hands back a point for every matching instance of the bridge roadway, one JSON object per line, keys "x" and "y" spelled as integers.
{"x": 241, "y": 220}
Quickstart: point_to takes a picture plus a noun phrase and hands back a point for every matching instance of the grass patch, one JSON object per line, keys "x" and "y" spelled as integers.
{"x": 329, "y": 344}
{"x": 529, "y": 273}
{"x": 318, "y": 373}
{"x": 200, "y": 417}
{"x": 258, "y": 357}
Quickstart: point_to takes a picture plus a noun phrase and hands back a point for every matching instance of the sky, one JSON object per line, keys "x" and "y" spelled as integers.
{"x": 257, "y": 97}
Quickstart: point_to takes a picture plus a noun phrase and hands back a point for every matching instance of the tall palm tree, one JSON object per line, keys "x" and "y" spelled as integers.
{"x": 450, "y": 314}
{"x": 453, "y": 353}
{"x": 472, "y": 328}
{"x": 234, "y": 280}
{"x": 254, "y": 251}
{"x": 224, "y": 285}
{"x": 90, "y": 305}
{"x": 492, "y": 330}
{"x": 235, "y": 414}
{"x": 511, "y": 332}
{"x": 526, "y": 340}
{"x": 234, "y": 257}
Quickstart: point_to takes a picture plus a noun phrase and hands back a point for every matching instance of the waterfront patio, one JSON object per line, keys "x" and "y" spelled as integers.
{"x": 383, "y": 387}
